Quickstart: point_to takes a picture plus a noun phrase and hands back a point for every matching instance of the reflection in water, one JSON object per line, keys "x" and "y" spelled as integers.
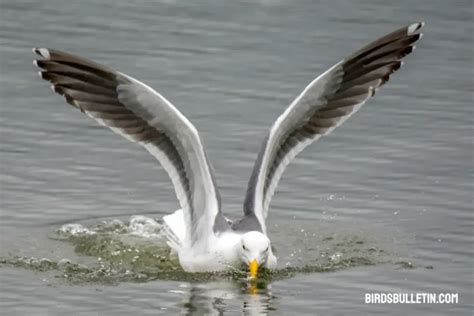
{"x": 258, "y": 300}
{"x": 216, "y": 298}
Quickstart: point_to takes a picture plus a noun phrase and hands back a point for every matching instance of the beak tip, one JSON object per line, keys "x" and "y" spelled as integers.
{"x": 253, "y": 269}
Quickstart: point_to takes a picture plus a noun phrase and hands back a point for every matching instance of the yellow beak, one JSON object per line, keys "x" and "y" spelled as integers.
{"x": 253, "y": 267}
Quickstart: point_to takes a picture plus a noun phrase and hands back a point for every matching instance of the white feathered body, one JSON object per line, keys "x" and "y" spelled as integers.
{"x": 221, "y": 254}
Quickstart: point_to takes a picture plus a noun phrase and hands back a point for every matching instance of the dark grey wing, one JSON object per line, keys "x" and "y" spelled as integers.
{"x": 323, "y": 105}
{"x": 141, "y": 115}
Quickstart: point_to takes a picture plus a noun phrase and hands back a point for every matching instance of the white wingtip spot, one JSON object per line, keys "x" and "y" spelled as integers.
{"x": 35, "y": 62}
{"x": 43, "y": 52}
{"x": 414, "y": 27}
{"x": 40, "y": 74}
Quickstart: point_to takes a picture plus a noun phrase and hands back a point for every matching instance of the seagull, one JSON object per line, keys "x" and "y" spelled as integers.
{"x": 202, "y": 237}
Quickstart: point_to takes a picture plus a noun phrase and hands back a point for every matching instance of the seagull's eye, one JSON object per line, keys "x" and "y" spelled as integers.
{"x": 266, "y": 249}
{"x": 243, "y": 247}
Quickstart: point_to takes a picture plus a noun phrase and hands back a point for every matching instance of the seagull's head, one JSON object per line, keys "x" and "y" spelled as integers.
{"x": 255, "y": 248}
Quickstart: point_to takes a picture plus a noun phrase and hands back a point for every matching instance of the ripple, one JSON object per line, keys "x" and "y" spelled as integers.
{"x": 135, "y": 250}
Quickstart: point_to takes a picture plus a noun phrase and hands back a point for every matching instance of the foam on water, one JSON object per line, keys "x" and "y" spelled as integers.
{"x": 136, "y": 250}
{"x": 145, "y": 227}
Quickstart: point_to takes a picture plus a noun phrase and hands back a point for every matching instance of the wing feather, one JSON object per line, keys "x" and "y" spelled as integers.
{"x": 141, "y": 115}
{"x": 324, "y": 104}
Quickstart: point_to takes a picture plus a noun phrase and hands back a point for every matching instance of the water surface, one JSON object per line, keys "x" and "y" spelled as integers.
{"x": 384, "y": 204}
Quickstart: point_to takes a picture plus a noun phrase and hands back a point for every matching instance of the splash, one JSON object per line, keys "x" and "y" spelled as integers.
{"x": 136, "y": 251}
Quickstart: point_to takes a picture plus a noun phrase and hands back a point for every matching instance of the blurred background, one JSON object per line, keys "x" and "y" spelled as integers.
{"x": 397, "y": 176}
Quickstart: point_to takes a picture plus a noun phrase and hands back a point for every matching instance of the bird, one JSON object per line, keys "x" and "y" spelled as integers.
{"x": 202, "y": 237}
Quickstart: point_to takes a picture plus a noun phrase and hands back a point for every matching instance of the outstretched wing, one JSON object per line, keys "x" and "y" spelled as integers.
{"x": 141, "y": 115}
{"x": 323, "y": 105}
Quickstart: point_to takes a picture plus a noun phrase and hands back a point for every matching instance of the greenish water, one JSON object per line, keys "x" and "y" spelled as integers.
{"x": 136, "y": 251}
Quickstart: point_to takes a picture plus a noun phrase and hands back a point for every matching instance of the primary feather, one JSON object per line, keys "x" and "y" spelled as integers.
{"x": 323, "y": 105}
{"x": 138, "y": 113}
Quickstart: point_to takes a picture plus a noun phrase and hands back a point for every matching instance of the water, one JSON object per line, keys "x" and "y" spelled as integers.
{"x": 384, "y": 204}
